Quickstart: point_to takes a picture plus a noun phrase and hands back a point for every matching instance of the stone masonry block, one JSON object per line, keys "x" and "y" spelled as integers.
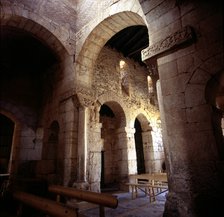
{"x": 200, "y": 77}
{"x": 168, "y": 70}
{"x": 163, "y": 21}
{"x": 194, "y": 95}
{"x": 176, "y": 84}
{"x": 174, "y": 101}
{"x": 185, "y": 63}
{"x": 198, "y": 114}
{"x": 167, "y": 30}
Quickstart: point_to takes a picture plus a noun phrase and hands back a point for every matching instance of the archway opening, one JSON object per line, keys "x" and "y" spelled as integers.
{"x": 27, "y": 68}
{"x": 108, "y": 166}
{"x": 6, "y": 137}
{"x": 28, "y": 73}
{"x": 214, "y": 94}
{"x": 139, "y": 147}
{"x": 114, "y": 147}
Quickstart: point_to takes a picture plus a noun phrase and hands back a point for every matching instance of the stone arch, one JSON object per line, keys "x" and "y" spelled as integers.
{"x": 15, "y": 138}
{"x": 14, "y": 113}
{"x": 197, "y": 85}
{"x": 214, "y": 94}
{"x": 36, "y": 25}
{"x": 6, "y": 135}
{"x": 145, "y": 124}
{"x": 97, "y": 38}
{"x": 116, "y": 104}
{"x": 113, "y": 162}
{"x": 143, "y": 144}
{"x": 10, "y": 114}
{"x": 39, "y": 28}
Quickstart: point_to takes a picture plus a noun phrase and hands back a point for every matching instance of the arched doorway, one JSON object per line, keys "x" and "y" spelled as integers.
{"x": 112, "y": 159}
{"x": 6, "y": 137}
{"x": 107, "y": 118}
{"x": 139, "y": 147}
{"x": 215, "y": 97}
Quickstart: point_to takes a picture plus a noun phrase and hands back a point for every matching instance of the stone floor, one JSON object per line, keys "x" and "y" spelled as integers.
{"x": 128, "y": 207}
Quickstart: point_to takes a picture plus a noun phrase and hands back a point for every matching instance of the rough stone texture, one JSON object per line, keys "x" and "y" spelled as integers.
{"x": 183, "y": 78}
{"x": 116, "y": 141}
{"x": 87, "y": 75}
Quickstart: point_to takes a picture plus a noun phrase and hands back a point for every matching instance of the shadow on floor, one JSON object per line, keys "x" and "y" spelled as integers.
{"x": 128, "y": 207}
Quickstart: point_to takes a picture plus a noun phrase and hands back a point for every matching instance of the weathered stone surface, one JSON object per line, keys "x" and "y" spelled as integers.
{"x": 87, "y": 76}
{"x": 183, "y": 35}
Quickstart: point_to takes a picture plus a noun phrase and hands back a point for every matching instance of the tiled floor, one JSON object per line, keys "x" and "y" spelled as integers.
{"x": 127, "y": 207}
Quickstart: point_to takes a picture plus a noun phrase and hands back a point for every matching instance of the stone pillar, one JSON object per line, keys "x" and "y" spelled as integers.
{"x": 95, "y": 144}
{"x": 67, "y": 143}
{"x": 82, "y": 146}
{"x": 189, "y": 142}
{"x": 163, "y": 123}
{"x": 129, "y": 158}
{"x": 148, "y": 151}
{"x": 85, "y": 99}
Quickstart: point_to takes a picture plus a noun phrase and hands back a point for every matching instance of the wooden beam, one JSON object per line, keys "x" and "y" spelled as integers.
{"x": 101, "y": 199}
{"x": 47, "y": 206}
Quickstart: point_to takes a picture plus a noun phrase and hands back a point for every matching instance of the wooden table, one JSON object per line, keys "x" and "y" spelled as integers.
{"x": 151, "y": 184}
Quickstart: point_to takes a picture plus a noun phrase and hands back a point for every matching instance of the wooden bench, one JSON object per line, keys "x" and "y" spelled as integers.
{"x": 151, "y": 190}
{"x": 151, "y": 184}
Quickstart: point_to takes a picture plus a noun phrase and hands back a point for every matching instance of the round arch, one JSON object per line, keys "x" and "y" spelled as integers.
{"x": 116, "y": 104}
{"x": 145, "y": 124}
{"x": 35, "y": 25}
{"x": 214, "y": 94}
{"x": 15, "y": 138}
{"x": 113, "y": 154}
{"x": 97, "y": 38}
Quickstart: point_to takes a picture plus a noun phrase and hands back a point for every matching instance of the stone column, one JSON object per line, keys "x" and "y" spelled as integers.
{"x": 67, "y": 140}
{"x": 85, "y": 100}
{"x": 129, "y": 152}
{"x": 82, "y": 146}
{"x": 95, "y": 145}
{"x": 190, "y": 147}
{"x": 148, "y": 151}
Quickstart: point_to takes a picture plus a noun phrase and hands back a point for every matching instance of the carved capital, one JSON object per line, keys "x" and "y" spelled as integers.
{"x": 183, "y": 35}
{"x": 85, "y": 100}
{"x": 85, "y": 96}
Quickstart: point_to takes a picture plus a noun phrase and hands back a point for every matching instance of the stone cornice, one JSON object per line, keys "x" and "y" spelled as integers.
{"x": 186, "y": 34}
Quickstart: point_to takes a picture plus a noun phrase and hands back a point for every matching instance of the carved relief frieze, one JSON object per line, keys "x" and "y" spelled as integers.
{"x": 181, "y": 36}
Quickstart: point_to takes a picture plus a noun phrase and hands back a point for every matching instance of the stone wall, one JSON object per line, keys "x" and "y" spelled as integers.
{"x": 186, "y": 50}
{"x": 118, "y": 133}
{"x": 186, "y": 38}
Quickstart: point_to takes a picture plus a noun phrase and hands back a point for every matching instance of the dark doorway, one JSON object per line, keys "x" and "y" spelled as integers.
{"x": 6, "y": 135}
{"x": 102, "y": 183}
{"x": 108, "y": 162}
{"x": 139, "y": 147}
